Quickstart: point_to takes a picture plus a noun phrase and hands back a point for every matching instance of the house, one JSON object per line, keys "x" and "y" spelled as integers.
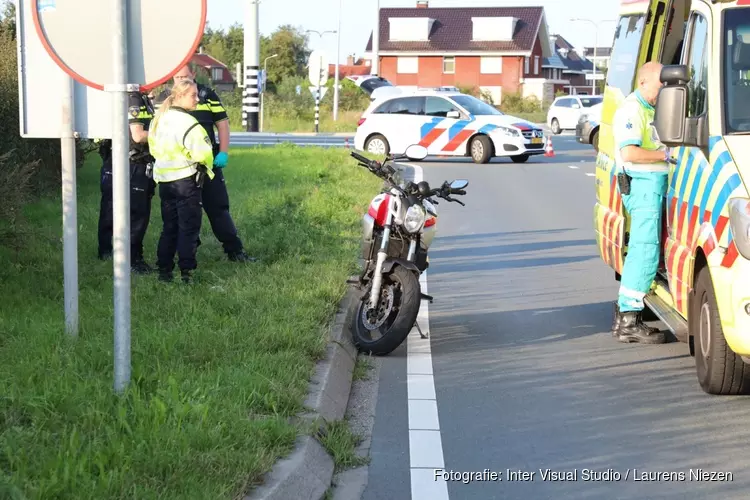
{"x": 221, "y": 77}
{"x": 568, "y": 68}
{"x": 599, "y": 56}
{"x": 359, "y": 67}
{"x": 492, "y": 48}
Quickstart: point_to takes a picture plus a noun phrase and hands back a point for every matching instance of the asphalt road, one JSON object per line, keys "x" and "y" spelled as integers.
{"x": 526, "y": 374}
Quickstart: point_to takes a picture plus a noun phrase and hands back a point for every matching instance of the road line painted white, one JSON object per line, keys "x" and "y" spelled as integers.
{"x": 425, "y": 442}
{"x": 424, "y": 484}
{"x": 573, "y": 167}
{"x": 590, "y": 175}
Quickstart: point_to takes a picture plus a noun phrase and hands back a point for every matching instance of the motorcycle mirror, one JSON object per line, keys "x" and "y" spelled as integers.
{"x": 416, "y": 152}
{"x": 459, "y": 184}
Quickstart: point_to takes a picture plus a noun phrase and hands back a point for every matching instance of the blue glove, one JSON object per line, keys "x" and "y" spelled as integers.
{"x": 221, "y": 160}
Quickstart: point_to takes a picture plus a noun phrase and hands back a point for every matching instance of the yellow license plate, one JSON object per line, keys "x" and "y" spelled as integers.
{"x": 536, "y": 140}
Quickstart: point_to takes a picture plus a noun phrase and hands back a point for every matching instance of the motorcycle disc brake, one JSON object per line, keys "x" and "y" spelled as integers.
{"x": 374, "y": 318}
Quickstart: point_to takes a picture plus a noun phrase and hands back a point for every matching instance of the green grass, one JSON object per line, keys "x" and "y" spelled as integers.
{"x": 361, "y": 368}
{"x": 338, "y": 439}
{"x": 347, "y": 122}
{"x": 218, "y": 367}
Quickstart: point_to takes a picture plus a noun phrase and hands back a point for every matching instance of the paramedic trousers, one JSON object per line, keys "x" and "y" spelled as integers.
{"x": 181, "y": 213}
{"x": 644, "y": 204}
{"x": 142, "y": 190}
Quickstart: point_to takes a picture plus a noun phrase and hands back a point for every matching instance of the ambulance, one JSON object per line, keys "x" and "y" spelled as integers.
{"x": 702, "y": 288}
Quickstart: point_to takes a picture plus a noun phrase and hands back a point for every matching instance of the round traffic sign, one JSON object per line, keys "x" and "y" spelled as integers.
{"x": 162, "y": 36}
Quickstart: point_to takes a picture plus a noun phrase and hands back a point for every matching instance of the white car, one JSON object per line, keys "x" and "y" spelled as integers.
{"x": 566, "y": 110}
{"x": 447, "y": 124}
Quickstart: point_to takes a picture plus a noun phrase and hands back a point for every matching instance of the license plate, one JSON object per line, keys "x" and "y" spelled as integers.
{"x": 536, "y": 140}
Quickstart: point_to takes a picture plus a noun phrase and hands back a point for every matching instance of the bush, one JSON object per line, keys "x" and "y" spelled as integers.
{"x": 515, "y": 103}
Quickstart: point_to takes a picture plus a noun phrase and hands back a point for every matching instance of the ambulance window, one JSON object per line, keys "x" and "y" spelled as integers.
{"x": 735, "y": 58}
{"x": 698, "y": 66}
{"x": 625, "y": 53}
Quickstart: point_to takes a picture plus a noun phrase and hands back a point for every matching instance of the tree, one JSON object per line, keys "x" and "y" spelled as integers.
{"x": 8, "y": 19}
{"x": 290, "y": 44}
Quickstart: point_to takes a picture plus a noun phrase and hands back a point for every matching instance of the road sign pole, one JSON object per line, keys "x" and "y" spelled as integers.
{"x": 250, "y": 98}
{"x": 70, "y": 208}
{"x": 317, "y": 108}
{"x": 121, "y": 197}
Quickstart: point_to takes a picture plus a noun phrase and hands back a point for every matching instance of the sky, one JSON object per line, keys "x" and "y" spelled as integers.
{"x": 357, "y": 18}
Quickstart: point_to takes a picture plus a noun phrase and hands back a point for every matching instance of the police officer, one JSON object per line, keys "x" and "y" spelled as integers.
{"x": 142, "y": 186}
{"x": 642, "y": 163}
{"x": 209, "y": 112}
{"x": 184, "y": 159}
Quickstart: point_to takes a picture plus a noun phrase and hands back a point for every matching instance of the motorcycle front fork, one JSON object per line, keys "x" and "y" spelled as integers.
{"x": 377, "y": 278}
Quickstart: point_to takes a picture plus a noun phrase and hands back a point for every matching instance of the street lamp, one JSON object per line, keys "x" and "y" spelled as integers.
{"x": 338, "y": 57}
{"x": 596, "y": 46}
{"x": 263, "y": 90}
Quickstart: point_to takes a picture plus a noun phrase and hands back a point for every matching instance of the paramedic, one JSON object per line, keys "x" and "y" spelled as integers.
{"x": 184, "y": 157}
{"x": 642, "y": 168}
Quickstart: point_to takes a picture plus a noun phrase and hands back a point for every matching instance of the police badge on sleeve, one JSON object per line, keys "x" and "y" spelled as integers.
{"x": 134, "y": 110}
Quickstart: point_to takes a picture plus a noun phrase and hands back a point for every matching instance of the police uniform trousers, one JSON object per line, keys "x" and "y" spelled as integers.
{"x": 216, "y": 205}
{"x": 142, "y": 190}
{"x": 644, "y": 204}
{"x": 182, "y": 214}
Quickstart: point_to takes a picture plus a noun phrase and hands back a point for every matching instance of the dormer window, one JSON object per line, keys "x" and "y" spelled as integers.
{"x": 410, "y": 29}
{"x": 494, "y": 29}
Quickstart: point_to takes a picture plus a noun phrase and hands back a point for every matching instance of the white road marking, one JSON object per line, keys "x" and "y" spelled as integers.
{"x": 425, "y": 442}
{"x": 590, "y": 174}
{"x": 572, "y": 166}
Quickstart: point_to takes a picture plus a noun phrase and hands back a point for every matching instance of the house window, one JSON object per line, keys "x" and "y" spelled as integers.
{"x": 536, "y": 65}
{"x": 525, "y": 65}
{"x": 216, "y": 74}
{"x": 407, "y": 65}
{"x": 449, "y": 65}
{"x": 491, "y": 65}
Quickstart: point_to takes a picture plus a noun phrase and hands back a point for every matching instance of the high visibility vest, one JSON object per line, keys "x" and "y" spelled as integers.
{"x": 633, "y": 125}
{"x": 179, "y": 144}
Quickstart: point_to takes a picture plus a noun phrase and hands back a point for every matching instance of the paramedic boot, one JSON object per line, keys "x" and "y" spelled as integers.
{"x": 632, "y": 329}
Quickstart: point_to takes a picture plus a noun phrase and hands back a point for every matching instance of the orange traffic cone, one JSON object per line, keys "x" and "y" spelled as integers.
{"x": 549, "y": 150}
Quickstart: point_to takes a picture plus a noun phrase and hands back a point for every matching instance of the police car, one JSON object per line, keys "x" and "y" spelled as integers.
{"x": 447, "y": 123}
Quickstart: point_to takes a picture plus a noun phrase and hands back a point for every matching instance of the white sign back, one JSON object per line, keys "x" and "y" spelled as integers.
{"x": 162, "y": 36}
{"x": 318, "y": 68}
{"x": 40, "y": 85}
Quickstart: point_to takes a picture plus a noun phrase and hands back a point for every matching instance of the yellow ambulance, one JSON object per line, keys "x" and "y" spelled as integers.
{"x": 702, "y": 289}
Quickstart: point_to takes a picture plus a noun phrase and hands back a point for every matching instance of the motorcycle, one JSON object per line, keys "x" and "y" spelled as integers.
{"x": 397, "y": 232}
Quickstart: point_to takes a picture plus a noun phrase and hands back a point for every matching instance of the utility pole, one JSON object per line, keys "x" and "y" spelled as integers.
{"x": 250, "y": 100}
{"x": 376, "y": 41}
{"x": 338, "y": 59}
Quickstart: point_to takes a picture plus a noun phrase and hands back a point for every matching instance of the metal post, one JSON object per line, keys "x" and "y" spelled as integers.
{"x": 593, "y": 59}
{"x": 70, "y": 209}
{"x": 250, "y": 98}
{"x": 338, "y": 59}
{"x": 121, "y": 197}
{"x": 376, "y": 41}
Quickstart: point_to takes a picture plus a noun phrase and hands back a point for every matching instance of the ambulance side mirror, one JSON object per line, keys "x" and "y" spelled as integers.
{"x": 673, "y": 125}
{"x": 669, "y": 118}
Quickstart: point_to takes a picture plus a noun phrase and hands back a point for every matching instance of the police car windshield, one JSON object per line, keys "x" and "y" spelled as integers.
{"x": 475, "y": 106}
{"x": 736, "y": 69}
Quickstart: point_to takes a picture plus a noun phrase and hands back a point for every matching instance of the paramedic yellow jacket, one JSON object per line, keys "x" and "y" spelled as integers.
{"x": 179, "y": 144}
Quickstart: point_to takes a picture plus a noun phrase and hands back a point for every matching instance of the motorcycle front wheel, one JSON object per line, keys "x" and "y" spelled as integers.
{"x": 381, "y": 331}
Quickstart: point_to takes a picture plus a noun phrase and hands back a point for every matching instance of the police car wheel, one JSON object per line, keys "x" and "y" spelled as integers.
{"x": 377, "y": 145}
{"x": 481, "y": 149}
{"x": 720, "y": 371}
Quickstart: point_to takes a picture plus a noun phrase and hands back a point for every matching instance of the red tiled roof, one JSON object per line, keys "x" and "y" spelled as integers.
{"x": 453, "y": 27}
{"x": 349, "y": 70}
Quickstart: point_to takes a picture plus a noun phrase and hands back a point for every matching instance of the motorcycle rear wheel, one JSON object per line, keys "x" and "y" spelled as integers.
{"x": 396, "y": 320}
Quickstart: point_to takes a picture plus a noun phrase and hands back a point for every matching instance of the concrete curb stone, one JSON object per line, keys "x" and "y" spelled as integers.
{"x": 307, "y": 472}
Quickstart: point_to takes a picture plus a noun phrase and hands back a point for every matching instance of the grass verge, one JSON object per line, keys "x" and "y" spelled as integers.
{"x": 218, "y": 368}
{"x": 347, "y": 122}
{"x": 338, "y": 439}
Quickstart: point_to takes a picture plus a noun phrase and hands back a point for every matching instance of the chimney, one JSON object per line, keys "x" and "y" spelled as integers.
{"x": 423, "y": 4}
{"x": 350, "y": 60}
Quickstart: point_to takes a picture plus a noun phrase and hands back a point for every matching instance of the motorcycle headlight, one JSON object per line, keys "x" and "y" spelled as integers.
{"x": 739, "y": 221}
{"x": 415, "y": 218}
